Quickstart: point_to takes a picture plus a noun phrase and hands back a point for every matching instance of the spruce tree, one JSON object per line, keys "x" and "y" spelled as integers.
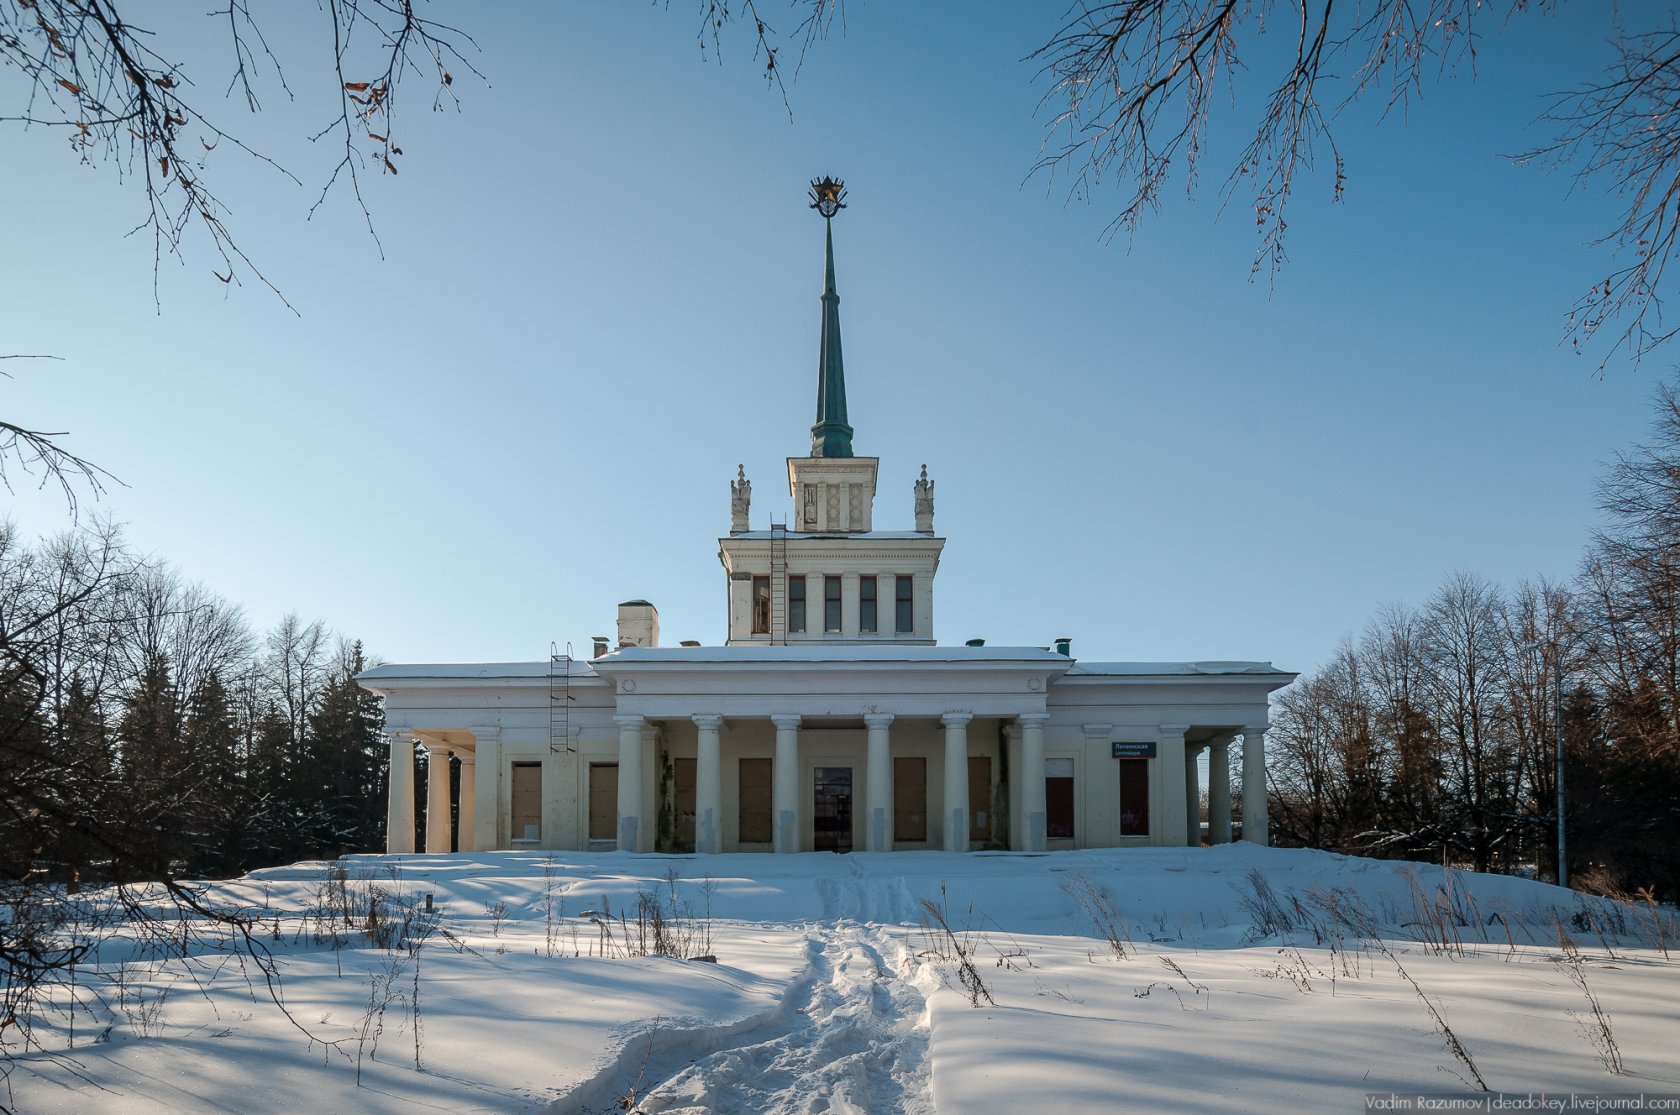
{"x": 345, "y": 750}
{"x": 156, "y": 773}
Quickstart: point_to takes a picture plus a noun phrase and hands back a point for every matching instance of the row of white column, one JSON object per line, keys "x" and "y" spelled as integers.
{"x": 1219, "y": 789}
{"x": 785, "y": 824}
{"x": 440, "y": 825}
{"x": 785, "y": 798}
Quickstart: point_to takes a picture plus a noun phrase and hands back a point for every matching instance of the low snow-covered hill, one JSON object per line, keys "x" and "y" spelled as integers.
{"x": 1227, "y": 979}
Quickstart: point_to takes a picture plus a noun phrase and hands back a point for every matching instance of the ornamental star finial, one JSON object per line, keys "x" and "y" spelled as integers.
{"x": 828, "y": 196}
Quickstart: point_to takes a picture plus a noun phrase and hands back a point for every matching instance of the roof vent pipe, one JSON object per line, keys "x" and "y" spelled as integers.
{"x": 600, "y": 642}
{"x": 1064, "y": 647}
{"x": 975, "y": 643}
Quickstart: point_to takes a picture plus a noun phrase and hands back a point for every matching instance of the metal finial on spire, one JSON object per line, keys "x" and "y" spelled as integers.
{"x": 832, "y": 435}
{"x": 828, "y": 196}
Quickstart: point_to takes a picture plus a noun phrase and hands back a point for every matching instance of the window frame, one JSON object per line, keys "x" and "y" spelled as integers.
{"x": 796, "y": 604}
{"x": 904, "y": 604}
{"x": 868, "y": 610}
{"x": 833, "y": 614}
{"x": 760, "y": 605}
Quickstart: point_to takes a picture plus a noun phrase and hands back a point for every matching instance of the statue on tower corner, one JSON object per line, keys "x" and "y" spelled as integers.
{"x": 924, "y": 504}
{"x": 740, "y": 500}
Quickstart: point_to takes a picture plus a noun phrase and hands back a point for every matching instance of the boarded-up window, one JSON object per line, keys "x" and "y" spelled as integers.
{"x": 979, "y": 799}
{"x": 603, "y": 801}
{"x": 1134, "y": 797}
{"x": 526, "y": 807}
{"x": 909, "y": 799}
{"x": 1058, "y": 798}
{"x": 755, "y": 801}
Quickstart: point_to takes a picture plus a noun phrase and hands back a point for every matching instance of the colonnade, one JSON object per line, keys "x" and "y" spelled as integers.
{"x": 1181, "y": 812}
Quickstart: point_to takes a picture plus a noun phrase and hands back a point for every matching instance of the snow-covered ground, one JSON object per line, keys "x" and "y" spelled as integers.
{"x": 827, "y": 985}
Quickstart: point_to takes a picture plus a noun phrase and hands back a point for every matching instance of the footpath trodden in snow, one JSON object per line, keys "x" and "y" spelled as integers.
{"x": 855, "y": 1040}
{"x": 1232, "y": 978}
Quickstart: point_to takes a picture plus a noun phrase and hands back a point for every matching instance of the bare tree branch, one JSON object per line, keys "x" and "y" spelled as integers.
{"x": 1622, "y": 132}
{"x": 120, "y": 99}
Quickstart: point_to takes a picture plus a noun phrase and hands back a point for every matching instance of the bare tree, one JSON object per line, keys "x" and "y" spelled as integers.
{"x": 1544, "y": 648}
{"x": 1465, "y": 652}
{"x": 1392, "y": 649}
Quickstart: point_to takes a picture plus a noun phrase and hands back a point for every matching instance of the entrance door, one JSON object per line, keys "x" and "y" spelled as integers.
{"x": 979, "y": 801}
{"x": 683, "y": 792}
{"x": 831, "y": 816}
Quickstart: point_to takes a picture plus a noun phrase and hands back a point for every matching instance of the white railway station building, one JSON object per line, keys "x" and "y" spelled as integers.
{"x": 831, "y": 718}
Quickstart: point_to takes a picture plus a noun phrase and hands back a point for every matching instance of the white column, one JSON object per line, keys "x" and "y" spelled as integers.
{"x": 1254, "y": 784}
{"x": 1033, "y": 812}
{"x": 1013, "y": 764}
{"x": 629, "y": 782}
{"x": 399, "y": 796}
{"x": 956, "y": 780}
{"x": 784, "y": 785}
{"x": 878, "y": 823}
{"x": 1219, "y": 791}
{"x": 708, "y": 786}
{"x": 1192, "y": 798}
{"x": 486, "y": 827}
{"x": 1169, "y": 829}
{"x": 469, "y": 799}
{"x": 439, "y": 827}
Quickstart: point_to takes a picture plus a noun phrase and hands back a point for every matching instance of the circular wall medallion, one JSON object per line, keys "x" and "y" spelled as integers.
{"x": 1034, "y": 684}
{"x": 627, "y": 686}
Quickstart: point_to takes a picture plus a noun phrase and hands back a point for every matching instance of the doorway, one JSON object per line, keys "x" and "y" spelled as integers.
{"x": 831, "y": 815}
{"x": 979, "y": 801}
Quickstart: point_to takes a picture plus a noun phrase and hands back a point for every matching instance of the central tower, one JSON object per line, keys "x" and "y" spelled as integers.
{"x": 825, "y": 574}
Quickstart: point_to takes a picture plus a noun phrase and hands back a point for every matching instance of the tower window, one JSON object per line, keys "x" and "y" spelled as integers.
{"x": 761, "y": 605}
{"x": 866, "y": 604}
{"x": 831, "y": 604}
{"x": 906, "y": 618}
{"x": 796, "y": 604}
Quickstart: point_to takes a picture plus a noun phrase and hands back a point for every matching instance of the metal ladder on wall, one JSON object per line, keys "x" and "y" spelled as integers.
{"x": 778, "y": 584}
{"x": 559, "y": 699}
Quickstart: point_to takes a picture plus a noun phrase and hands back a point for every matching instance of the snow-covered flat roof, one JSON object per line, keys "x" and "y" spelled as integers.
{"x": 1171, "y": 669}
{"x": 578, "y": 668}
{"x": 816, "y": 653}
{"x": 796, "y": 535}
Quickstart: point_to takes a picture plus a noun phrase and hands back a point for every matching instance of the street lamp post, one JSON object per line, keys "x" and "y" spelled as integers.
{"x": 1557, "y": 719}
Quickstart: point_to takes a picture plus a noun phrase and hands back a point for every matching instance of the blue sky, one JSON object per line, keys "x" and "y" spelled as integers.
{"x": 599, "y": 294}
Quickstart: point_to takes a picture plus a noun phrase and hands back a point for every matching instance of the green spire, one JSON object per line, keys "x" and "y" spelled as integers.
{"x": 831, "y": 436}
